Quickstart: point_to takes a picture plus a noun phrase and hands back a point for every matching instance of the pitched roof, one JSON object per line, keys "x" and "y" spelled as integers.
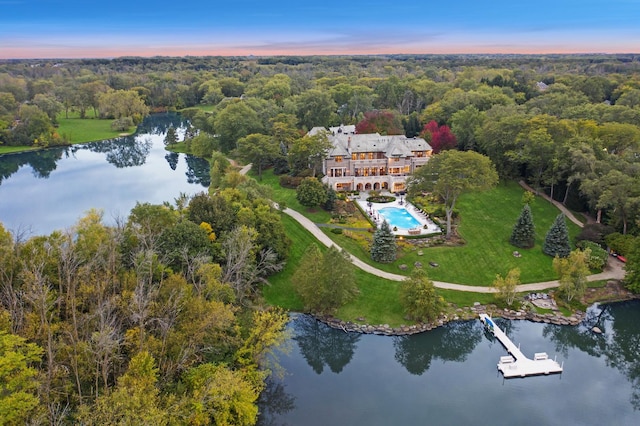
{"x": 391, "y": 146}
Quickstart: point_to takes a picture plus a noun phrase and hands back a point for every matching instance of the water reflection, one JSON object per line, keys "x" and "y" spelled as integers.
{"x": 50, "y": 189}
{"x": 619, "y": 343}
{"x": 172, "y": 158}
{"x": 198, "y": 171}
{"x": 320, "y": 345}
{"x": 408, "y": 380}
{"x": 453, "y": 342}
{"x": 275, "y": 402}
{"x": 126, "y": 151}
{"x": 42, "y": 163}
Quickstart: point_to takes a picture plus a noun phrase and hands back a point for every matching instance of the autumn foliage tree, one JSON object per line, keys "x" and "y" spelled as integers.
{"x": 440, "y": 137}
{"x": 383, "y": 122}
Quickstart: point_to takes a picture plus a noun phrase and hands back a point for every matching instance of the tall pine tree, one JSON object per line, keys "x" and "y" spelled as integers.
{"x": 383, "y": 248}
{"x": 524, "y": 231}
{"x": 556, "y": 243}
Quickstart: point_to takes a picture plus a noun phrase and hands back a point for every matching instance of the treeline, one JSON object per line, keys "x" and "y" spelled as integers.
{"x": 565, "y": 123}
{"x": 154, "y": 320}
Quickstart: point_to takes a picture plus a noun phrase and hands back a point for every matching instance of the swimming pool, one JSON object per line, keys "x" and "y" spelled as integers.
{"x": 399, "y": 217}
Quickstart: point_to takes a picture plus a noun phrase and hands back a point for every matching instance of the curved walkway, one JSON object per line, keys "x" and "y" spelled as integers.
{"x": 613, "y": 269}
{"x": 558, "y": 204}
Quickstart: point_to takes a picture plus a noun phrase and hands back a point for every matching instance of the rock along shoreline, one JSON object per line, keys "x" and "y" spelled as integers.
{"x": 461, "y": 314}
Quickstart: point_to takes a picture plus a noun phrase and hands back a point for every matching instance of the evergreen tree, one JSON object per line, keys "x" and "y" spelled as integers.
{"x": 383, "y": 248}
{"x": 331, "y": 199}
{"x": 524, "y": 231}
{"x": 556, "y": 243}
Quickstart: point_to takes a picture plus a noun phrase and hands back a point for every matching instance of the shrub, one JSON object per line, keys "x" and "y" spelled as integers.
{"x": 122, "y": 124}
{"x": 595, "y": 232}
{"x": 337, "y": 230}
{"x": 381, "y": 199}
{"x": 598, "y": 256}
{"x": 291, "y": 182}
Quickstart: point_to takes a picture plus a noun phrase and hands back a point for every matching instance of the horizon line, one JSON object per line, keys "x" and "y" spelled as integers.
{"x": 268, "y": 55}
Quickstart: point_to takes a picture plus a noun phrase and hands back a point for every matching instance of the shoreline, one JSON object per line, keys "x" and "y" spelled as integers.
{"x": 462, "y": 314}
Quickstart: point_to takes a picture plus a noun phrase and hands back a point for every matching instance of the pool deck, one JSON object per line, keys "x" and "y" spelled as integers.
{"x": 432, "y": 228}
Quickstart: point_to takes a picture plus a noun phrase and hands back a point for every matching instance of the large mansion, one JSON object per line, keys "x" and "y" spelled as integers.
{"x": 370, "y": 161}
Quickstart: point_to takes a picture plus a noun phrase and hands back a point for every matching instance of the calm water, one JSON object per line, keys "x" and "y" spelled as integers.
{"x": 448, "y": 376}
{"x": 444, "y": 377}
{"x": 399, "y": 217}
{"x": 49, "y": 190}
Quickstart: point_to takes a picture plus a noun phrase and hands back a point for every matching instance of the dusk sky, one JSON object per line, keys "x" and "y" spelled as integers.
{"x": 91, "y": 29}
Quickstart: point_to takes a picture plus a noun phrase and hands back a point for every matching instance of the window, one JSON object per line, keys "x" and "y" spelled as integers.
{"x": 362, "y": 156}
{"x": 354, "y": 156}
{"x": 371, "y": 156}
{"x": 339, "y": 159}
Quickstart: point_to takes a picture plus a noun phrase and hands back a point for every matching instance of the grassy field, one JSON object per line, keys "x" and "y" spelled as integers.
{"x": 378, "y": 299}
{"x": 11, "y": 149}
{"x": 487, "y": 220}
{"x": 79, "y": 130}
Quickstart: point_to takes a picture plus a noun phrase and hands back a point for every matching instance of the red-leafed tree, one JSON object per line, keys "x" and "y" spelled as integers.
{"x": 383, "y": 122}
{"x": 439, "y": 137}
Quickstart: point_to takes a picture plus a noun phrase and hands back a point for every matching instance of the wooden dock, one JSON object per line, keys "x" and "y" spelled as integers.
{"x": 516, "y": 364}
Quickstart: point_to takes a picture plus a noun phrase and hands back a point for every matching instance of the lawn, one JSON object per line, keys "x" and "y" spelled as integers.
{"x": 288, "y": 196}
{"x": 12, "y": 149}
{"x": 80, "y": 130}
{"x": 486, "y": 223}
{"x": 377, "y": 302}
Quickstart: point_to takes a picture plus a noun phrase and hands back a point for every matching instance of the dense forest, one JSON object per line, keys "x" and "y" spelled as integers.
{"x": 568, "y": 123}
{"x": 159, "y": 320}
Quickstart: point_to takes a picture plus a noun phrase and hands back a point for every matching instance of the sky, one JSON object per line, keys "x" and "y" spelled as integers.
{"x": 114, "y": 28}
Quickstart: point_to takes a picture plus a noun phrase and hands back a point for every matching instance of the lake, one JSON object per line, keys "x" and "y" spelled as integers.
{"x": 49, "y": 190}
{"x": 448, "y": 376}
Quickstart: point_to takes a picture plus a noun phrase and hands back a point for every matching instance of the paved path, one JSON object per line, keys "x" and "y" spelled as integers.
{"x": 613, "y": 269}
{"x": 558, "y": 204}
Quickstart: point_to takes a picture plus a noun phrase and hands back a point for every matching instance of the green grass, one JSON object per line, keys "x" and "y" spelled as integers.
{"x": 179, "y": 147}
{"x": 487, "y": 220}
{"x": 280, "y": 291}
{"x": 206, "y": 108}
{"x": 12, "y": 149}
{"x": 80, "y": 130}
{"x": 486, "y": 225}
{"x": 378, "y": 299}
{"x": 288, "y": 196}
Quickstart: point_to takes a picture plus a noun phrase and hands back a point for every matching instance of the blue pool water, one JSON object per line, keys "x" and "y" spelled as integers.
{"x": 399, "y": 217}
